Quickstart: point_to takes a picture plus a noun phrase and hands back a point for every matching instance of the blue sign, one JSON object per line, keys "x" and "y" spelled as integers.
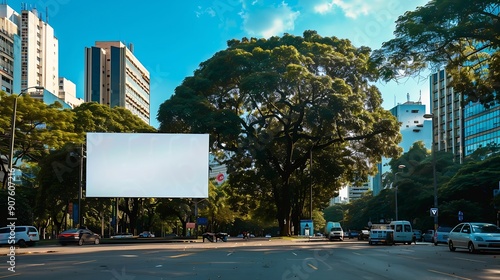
{"x": 460, "y": 216}
{"x": 202, "y": 221}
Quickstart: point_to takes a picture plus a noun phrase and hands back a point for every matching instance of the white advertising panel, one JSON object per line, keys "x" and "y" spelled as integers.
{"x": 147, "y": 165}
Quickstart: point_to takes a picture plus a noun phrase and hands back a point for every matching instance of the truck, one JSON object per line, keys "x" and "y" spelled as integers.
{"x": 381, "y": 233}
{"x": 334, "y": 231}
{"x": 395, "y": 232}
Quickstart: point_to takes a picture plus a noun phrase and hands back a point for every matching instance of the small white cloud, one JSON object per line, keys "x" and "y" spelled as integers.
{"x": 355, "y": 8}
{"x": 207, "y": 11}
{"x": 323, "y": 8}
{"x": 269, "y": 21}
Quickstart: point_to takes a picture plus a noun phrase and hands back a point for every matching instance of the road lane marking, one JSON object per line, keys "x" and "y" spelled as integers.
{"x": 229, "y": 254}
{"x": 181, "y": 255}
{"x": 34, "y": 264}
{"x": 448, "y": 274}
{"x": 10, "y": 275}
{"x": 85, "y": 262}
{"x": 470, "y": 260}
{"x": 294, "y": 253}
{"x": 312, "y": 266}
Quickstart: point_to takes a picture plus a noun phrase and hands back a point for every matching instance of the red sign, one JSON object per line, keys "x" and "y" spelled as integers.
{"x": 220, "y": 177}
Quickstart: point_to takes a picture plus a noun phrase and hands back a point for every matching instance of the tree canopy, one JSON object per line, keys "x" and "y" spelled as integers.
{"x": 39, "y": 128}
{"x": 287, "y": 114}
{"x": 461, "y": 35}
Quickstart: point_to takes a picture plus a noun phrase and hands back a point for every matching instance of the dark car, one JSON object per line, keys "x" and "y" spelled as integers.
{"x": 78, "y": 236}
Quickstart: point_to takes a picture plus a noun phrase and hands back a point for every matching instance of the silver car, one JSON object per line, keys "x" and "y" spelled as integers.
{"x": 474, "y": 237}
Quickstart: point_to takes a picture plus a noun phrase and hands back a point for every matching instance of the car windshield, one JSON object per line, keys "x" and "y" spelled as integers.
{"x": 336, "y": 229}
{"x": 486, "y": 228}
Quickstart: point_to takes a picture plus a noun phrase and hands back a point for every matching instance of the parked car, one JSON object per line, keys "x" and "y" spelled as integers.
{"x": 428, "y": 235}
{"x": 364, "y": 234}
{"x": 418, "y": 235}
{"x": 441, "y": 235}
{"x": 474, "y": 237}
{"x": 21, "y": 235}
{"x": 123, "y": 235}
{"x": 78, "y": 236}
{"x": 353, "y": 234}
{"x": 146, "y": 234}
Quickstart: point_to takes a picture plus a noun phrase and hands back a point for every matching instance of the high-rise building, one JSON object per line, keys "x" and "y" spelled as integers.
{"x": 460, "y": 129}
{"x": 448, "y": 115}
{"x": 414, "y": 127}
{"x": 10, "y": 50}
{"x": 115, "y": 77}
{"x": 39, "y": 52}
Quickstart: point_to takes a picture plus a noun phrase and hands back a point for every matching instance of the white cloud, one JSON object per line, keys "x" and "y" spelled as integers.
{"x": 323, "y": 8}
{"x": 356, "y": 8}
{"x": 201, "y": 11}
{"x": 268, "y": 21}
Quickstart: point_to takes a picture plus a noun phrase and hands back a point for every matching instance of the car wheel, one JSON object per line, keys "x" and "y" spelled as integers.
{"x": 22, "y": 243}
{"x": 80, "y": 242}
{"x": 97, "y": 241}
{"x": 450, "y": 246}
{"x": 471, "y": 248}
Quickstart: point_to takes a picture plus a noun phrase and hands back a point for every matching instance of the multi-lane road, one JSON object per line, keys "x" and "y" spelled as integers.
{"x": 253, "y": 259}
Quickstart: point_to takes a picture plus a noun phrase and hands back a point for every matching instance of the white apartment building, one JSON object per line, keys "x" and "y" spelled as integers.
{"x": 115, "y": 77}
{"x": 39, "y": 52}
{"x": 10, "y": 50}
{"x": 67, "y": 93}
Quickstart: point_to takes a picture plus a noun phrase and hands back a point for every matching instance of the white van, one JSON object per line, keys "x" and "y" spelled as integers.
{"x": 403, "y": 232}
{"x": 19, "y": 235}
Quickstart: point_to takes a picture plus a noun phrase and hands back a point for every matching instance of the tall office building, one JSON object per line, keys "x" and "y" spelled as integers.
{"x": 448, "y": 115}
{"x": 39, "y": 52}
{"x": 115, "y": 77}
{"x": 457, "y": 129}
{"x": 10, "y": 50}
{"x": 414, "y": 127}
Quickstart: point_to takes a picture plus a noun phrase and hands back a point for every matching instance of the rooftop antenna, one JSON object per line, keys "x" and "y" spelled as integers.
{"x": 408, "y": 96}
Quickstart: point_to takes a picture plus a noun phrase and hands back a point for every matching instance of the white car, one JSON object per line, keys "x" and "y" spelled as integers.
{"x": 474, "y": 237}
{"x": 19, "y": 235}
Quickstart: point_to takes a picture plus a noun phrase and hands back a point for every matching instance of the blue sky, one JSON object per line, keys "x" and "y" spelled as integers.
{"x": 171, "y": 38}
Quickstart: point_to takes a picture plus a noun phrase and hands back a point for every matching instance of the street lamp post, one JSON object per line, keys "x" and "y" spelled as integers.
{"x": 431, "y": 116}
{"x": 396, "y": 192}
{"x": 13, "y": 129}
{"x": 80, "y": 188}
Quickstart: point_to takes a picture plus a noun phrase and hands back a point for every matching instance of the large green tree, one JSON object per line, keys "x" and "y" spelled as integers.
{"x": 269, "y": 104}
{"x": 461, "y": 35}
{"x": 39, "y": 128}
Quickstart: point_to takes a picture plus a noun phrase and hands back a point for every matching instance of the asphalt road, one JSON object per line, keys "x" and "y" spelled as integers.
{"x": 253, "y": 259}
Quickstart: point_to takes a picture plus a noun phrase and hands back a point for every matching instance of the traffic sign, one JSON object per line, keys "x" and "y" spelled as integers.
{"x": 434, "y": 212}
{"x": 460, "y": 216}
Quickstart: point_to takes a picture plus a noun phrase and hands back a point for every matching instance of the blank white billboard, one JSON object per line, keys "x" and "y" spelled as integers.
{"x": 147, "y": 165}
